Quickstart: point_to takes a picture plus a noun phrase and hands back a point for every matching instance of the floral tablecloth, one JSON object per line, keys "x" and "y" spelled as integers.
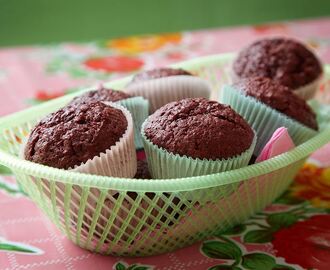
{"x": 292, "y": 233}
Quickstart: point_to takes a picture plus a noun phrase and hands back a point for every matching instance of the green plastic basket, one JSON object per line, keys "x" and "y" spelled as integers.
{"x": 144, "y": 217}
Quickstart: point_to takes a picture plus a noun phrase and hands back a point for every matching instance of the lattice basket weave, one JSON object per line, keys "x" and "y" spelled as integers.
{"x": 143, "y": 217}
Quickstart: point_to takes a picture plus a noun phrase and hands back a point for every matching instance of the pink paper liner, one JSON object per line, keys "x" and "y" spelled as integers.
{"x": 279, "y": 143}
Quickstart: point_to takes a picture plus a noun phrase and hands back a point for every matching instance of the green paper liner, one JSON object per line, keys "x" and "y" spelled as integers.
{"x": 263, "y": 119}
{"x": 322, "y": 113}
{"x": 139, "y": 108}
{"x": 166, "y": 165}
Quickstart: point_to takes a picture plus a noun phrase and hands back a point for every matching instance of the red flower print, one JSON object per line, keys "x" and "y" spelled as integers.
{"x": 306, "y": 243}
{"x": 144, "y": 43}
{"x": 42, "y": 95}
{"x": 313, "y": 184}
{"x": 268, "y": 28}
{"x": 175, "y": 55}
{"x": 114, "y": 63}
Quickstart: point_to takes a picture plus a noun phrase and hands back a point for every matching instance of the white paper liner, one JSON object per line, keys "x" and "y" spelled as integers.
{"x": 164, "y": 90}
{"x": 308, "y": 91}
{"x": 120, "y": 159}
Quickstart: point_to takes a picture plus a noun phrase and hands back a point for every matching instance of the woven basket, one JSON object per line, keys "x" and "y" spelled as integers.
{"x": 144, "y": 217}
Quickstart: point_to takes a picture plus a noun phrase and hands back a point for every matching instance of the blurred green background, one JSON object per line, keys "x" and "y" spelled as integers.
{"x": 45, "y": 21}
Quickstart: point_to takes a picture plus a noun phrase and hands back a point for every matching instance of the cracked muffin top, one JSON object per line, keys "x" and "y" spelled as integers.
{"x": 159, "y": 73}
{"x": 199, "y": 128}
{"x": 102, "y": 94}
{"x": 283, "y": 60}
{"x": 75, "y": 134}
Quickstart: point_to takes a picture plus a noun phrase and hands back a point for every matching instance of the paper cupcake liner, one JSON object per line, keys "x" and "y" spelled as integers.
{"x": 166, "y": 165}
{"x": 263, "y": 119}
{"x": 120, "y": 159}
{"x": 164, "y": 90}
{"x": 139, "y": 108}
{"x": 308, "y": 91}
{"x": 323, "y": 113}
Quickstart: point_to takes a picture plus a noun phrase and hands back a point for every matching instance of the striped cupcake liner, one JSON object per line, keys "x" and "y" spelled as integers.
{"x": 139, "y": 108}
{"x": 164, "y": 90}
{"x": 117, "y": 161}
{"x": 263, "y": 119}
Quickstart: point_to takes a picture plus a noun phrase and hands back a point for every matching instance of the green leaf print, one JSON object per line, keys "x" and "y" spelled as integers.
{"x": 125, "y": 266}
{"x": 120, "y": 266}
{"x": 258, "y": 236}
{"x": 8, "y": 246}
{"x": 282, "y": 267}
{"x": 238, "y": 229}
{"x": 5, "y": 171}
{"x": 281, "y": 220}
{"x": 258, "y": 261}
{"x": 221, "y": 250}
{"x": 224, "y": 267}
{"x": 138, "y": 267}
{"x": 286, "y": 198}
{"x": 10, "y": 188}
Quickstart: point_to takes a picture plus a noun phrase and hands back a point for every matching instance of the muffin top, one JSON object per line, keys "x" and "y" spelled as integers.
{"x": 199, "y": 128}
{"x": 280, "y": 98}
{"x": 159, "y": 73}
{"x": 102, "y": 94}
{"x": 284, "y": 60}
{"x": 75, "y": 134}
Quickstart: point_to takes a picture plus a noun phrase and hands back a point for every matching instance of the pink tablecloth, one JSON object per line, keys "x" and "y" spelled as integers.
{"x": 293, "y": 233}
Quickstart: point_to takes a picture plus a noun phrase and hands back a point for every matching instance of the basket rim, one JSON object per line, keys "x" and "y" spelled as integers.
{"x": 157, "y": 185}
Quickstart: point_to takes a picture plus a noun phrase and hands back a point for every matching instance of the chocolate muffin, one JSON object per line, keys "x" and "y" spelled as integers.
{"x": 137, "y": 106}
{"x": 164, "y": 85}
{"x": 280, "y": 98}
{"x": 284, "y": 60}
{"x": 199, "y": 128}
{"x": 75, "y": 134}
{"x": 159, "y": 73}
{"x": 102, "y": 94}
